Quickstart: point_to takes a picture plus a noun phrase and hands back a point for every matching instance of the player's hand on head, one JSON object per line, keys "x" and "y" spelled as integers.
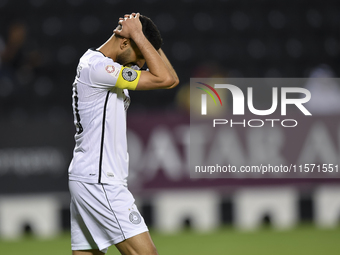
{"x": 129, "y": 25}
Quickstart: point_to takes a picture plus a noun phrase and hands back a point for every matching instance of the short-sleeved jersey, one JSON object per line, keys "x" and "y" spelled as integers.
{"x": 100, "y": 103}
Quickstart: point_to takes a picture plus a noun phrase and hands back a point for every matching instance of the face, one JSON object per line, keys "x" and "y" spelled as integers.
{"x": 131, "y": 56}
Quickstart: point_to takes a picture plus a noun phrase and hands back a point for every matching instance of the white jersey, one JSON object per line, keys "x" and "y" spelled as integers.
{"x": 99, "y": 105}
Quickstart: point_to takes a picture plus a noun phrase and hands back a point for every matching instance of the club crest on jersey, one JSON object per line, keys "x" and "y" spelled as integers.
{"x": 129, "y": 74}
{"x": 135, "y": 218}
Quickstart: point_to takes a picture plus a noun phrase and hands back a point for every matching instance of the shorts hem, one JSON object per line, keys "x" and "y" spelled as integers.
{"x": 120, "y": 239}
{"x": 75, "y": 247}
{"x": 136, "y": 232}
{"x": 87, "y": 247}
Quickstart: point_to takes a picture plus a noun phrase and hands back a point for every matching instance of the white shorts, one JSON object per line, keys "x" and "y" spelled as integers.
{"x": 102, "y": 215}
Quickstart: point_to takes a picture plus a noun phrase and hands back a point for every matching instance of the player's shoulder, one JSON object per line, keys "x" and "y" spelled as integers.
{"x": 96, "y": 58}
{"x": 93, "y": 55}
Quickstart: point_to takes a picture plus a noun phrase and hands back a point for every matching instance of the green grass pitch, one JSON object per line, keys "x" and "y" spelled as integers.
{"x": 304, "y": 240}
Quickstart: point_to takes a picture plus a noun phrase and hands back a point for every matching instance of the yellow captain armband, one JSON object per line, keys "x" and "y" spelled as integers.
{"x": 128, "y": 78}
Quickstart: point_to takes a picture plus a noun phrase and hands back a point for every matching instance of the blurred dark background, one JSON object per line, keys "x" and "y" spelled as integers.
{"x": 41, "y": 42}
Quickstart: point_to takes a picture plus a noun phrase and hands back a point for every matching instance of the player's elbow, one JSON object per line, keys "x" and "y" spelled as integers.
{"x": 176, "y": 82}
{"x": 171, "y": 82}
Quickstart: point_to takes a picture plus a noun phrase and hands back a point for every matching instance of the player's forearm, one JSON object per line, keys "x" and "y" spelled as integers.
{"x": 156, "y": 64}
{"x": 169, "y": 66}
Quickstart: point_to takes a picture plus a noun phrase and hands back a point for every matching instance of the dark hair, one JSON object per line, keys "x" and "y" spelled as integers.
{"x": 151, "y": 32}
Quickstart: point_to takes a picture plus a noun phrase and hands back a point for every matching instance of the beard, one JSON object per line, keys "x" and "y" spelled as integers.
{"x": 123, "y": 58}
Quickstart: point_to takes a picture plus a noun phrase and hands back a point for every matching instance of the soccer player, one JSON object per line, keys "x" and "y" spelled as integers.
{"x": 103, "y": 212}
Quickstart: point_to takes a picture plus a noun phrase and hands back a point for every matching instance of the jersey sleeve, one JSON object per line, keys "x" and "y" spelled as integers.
{"x": 111, "y": 74}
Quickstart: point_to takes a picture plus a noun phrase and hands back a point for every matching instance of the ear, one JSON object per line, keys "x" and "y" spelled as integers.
{"x": 125, "y": 43}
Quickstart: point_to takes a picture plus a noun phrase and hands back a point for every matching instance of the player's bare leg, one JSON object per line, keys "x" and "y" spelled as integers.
{"x": 138, "y": 245}
{"x": 88, "y": 252}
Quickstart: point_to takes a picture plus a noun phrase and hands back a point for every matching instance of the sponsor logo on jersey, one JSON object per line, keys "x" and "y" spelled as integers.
{"x": 110, "y": 68}
{"x": 129, "y": 74}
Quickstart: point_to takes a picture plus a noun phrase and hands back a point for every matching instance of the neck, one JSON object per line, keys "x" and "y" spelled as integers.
{"x": 109, "y": 49}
